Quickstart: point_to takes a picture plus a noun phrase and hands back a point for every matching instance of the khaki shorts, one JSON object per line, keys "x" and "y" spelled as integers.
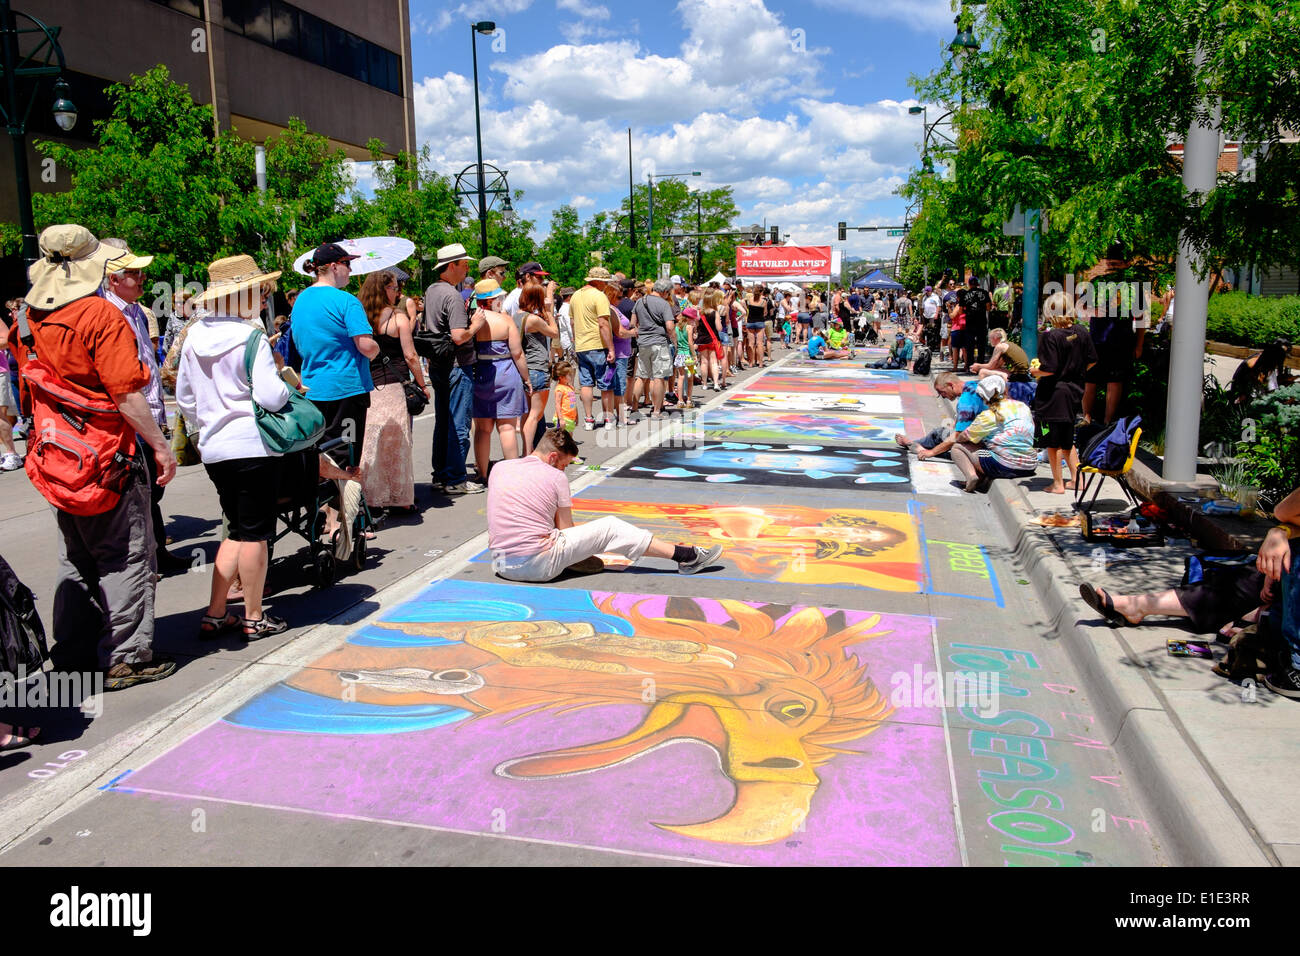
{"x": 654, "y": 361}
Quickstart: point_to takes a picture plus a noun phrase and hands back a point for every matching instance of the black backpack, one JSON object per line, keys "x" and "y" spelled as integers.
{"x": 921, "y": 361}
{"x": 22, "y": 636}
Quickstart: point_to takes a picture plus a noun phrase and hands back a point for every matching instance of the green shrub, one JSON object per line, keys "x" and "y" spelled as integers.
{"x": 1239, "y": 318}
{"x": 1272, "y": 459}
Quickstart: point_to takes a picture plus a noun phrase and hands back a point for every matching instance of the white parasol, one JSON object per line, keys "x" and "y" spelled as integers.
{"x": 373, "y": 252}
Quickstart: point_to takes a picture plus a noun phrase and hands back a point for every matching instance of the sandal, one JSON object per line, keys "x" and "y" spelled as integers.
{"x": 1103, "y": 604}
{"x": 264, "y": 626}
{"x": 211, "y": 627}
{"x": 20, "y": 737}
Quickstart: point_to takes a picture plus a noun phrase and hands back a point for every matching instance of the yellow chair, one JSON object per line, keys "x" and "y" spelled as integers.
{"x": 1099, "y": 475}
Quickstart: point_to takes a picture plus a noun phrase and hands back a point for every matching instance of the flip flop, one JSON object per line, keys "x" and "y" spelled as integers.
{"x": 1103, "y": 604}
{"x": 20, "y": 737}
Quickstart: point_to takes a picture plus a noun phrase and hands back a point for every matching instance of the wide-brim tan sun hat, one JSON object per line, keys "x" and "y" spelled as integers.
{"x": 230, "y": 276}
{"x": 71, "y": 267}
{"x": 599, "y": 274}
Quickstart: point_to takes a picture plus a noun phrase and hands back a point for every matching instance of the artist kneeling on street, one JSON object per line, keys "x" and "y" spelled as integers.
{"x": 530, "y": 522}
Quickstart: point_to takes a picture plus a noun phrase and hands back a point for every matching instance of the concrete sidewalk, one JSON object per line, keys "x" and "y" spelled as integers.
{"x": 1219, "y": 760}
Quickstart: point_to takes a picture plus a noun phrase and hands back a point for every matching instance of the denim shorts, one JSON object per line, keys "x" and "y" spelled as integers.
{"x": 538, "y": 380}
{"x": 591, "y": 367}
{"x": 990, "y": 466}
{"x": 620, "y": 375}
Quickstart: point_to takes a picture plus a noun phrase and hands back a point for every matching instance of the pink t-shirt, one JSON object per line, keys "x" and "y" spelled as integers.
{"x": 523, "y": 497}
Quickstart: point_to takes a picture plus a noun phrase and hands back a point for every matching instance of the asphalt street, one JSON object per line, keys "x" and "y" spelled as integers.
{"x": 864, "y": 677}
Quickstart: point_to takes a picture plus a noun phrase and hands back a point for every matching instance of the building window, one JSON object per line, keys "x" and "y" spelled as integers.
{"x": 290, "y": 30}
{"x": 311, "y": 38}
{"x": 285, "y": 20}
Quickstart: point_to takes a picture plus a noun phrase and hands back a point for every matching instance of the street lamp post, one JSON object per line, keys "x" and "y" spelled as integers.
{"x": 15, "y": 67}
{"x": 485, "y": 27}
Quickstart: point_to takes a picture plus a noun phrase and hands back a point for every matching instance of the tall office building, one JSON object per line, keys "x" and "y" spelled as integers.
{"x": 342, "y": 67}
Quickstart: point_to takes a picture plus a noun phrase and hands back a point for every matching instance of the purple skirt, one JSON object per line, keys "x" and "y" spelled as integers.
{"x": 498, "y": 390}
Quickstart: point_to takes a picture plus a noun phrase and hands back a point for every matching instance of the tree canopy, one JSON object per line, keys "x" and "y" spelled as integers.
{"x": 1071, "y": 106}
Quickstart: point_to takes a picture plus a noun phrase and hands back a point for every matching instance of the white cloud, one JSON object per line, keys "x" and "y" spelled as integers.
{"x": 582, "y": 8}
{"x": 476, "y": 10}
{"x": 619, "y": 77}
{"x": 921, "y": 15}
{"x": 558, "y": 124}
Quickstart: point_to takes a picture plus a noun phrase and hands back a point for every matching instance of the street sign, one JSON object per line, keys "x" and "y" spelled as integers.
{"x": 896, "y": 232}
{"x": 665, "y": 270}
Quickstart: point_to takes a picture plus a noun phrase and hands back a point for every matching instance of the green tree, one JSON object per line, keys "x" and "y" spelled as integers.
{"x": 1070, "y": 106}
{"x": 565, "y": 252}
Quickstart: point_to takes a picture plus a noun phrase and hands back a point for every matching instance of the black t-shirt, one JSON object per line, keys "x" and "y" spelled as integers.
{"x": 757, "y": 311}
{"x": 976, "y": 302}
{"x": 1066, "y": 353}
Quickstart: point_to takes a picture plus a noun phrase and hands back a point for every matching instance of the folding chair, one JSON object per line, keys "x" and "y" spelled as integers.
{"x": 1099, "y": 476}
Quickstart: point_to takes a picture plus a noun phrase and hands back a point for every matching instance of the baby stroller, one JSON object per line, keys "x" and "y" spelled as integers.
{"x": 303, "y": 495}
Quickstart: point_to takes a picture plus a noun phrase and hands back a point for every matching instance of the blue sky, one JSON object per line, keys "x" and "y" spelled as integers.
{"x": 801, "y": 107}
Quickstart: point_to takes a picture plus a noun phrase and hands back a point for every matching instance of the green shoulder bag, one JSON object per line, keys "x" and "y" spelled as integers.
{"x": 295, "y": 427}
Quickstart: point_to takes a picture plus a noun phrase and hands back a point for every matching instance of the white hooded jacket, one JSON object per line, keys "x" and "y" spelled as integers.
{"x": 212, "y": 388}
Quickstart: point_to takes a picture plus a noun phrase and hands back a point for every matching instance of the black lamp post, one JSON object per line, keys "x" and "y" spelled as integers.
{"x": 14, "y": 67}
{"x": 485, "y": 27}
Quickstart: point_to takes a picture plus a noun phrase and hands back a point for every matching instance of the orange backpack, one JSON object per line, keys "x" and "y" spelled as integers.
{"x": 80, "y": 449}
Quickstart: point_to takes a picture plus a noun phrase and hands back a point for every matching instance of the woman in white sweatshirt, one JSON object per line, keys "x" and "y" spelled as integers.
{"x": 213, "y": 391}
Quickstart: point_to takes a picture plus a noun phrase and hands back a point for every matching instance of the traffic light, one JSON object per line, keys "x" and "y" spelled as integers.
{"x": 776, "y": 234}
{"x": 844, "y": 231}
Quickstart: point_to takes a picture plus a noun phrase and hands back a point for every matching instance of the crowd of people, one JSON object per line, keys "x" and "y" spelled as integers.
{"x": 352, "y": 372}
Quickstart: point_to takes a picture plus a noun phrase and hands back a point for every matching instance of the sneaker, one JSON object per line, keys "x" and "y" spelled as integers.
{"x": 611, "y": 423}
{"x": 10, "y": 462}
{"x": 1285, "y": 682}
{"x": 590, "y": 424}
{"x": 124, "y": 675}
{"x": 466, "y": 487}
{"x": 702, "y": 559}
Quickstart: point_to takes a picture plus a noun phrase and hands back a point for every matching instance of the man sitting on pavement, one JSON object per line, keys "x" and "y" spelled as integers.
{"x": 900, "y": 354}
{"x": 940, "y": 440}
{"x": 531, "y": 532}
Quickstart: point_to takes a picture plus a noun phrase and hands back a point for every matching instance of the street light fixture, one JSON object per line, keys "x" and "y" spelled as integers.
{"x": 65, "y": 112}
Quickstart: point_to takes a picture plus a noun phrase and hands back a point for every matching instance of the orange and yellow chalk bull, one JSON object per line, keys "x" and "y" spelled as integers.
{"x": 772, "y": 701}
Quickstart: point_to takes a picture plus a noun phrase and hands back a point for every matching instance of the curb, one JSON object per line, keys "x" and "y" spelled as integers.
{"x": 1162, "y": 763}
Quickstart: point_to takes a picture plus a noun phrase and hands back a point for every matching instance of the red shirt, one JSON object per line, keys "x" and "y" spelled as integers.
{"x": 89, "y": 343}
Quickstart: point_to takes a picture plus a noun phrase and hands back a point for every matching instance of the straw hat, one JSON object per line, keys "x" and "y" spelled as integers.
{"x": 230, "y": 276}
{"x": 449, "y": 254}
{"x": 598, "y": 274}
{"x": 71, "y": 267}
{"x": 487, "y": 289}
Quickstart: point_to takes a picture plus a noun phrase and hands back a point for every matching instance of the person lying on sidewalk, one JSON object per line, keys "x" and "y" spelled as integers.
{"x": 530, "y": 522}
{"x": 999, "y": 443}
{"x": 1233, "y": 599}
{"x": 940, "y": 440}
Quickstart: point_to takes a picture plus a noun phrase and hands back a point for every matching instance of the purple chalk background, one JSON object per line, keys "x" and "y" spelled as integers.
{"x": 889, "y": 806}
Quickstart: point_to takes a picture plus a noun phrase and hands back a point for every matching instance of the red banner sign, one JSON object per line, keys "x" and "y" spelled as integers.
{"x": 771, "y": 262}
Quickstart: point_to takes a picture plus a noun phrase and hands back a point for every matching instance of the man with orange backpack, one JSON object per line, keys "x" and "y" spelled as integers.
{"x": 83, "y": 376}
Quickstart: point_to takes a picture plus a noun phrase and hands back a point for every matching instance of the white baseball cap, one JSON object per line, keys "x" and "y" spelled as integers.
{"x": 677, "y": 280}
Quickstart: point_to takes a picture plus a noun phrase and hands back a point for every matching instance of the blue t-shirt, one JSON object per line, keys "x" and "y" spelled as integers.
{"x": 816, "y": 346}
{"x": 324, "y": 321}
{"x": 969, "y": 404}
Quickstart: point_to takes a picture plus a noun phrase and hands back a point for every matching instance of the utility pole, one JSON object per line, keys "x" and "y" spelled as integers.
{"x": 631, "y": 196}
{"x": 1192, "y": 294}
